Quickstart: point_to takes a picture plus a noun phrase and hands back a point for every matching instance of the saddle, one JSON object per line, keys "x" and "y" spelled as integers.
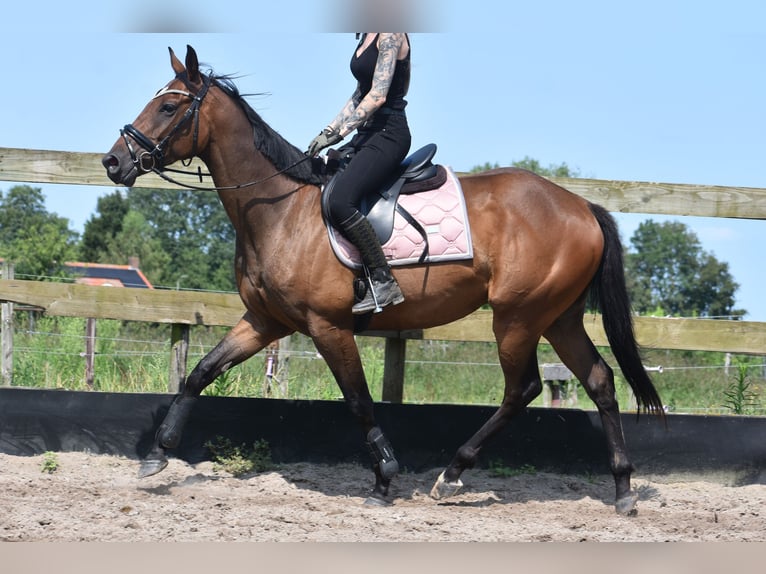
{"x": 416, "y": 173}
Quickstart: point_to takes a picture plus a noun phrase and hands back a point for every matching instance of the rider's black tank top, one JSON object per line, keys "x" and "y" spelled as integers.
{"x": 363, "y": 69}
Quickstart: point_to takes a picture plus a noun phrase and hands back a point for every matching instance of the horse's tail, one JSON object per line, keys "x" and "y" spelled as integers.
{"x": 609, "y": 291}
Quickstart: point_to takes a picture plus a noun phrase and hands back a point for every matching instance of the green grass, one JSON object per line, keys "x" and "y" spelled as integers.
{"x": 134, "y": 357}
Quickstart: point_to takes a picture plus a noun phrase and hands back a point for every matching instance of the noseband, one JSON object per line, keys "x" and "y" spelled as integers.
{"x": 153, "y": 155}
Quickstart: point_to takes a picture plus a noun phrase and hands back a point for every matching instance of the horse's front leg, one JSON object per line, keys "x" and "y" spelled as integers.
{"x": 246, "y": 338}
{"x": 338, "y": 347}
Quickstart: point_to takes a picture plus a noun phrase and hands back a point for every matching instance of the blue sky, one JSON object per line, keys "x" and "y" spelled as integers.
{"x": 665, "y": 91}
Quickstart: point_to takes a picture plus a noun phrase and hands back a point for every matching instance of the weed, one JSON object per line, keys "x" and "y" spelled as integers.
{"x": 221, "y": 386}
{"x": 261, "y": 456}
{"x": 498, "y": 469}
{"x": 739, "y": 395}
{"x": 50, "y": 462}
{"x": 240, "y": 460}
{"x": 590, "y": 477}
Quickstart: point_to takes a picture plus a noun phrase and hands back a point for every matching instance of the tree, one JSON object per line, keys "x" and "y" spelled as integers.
{"x": 486, "y": 167}
{"x": 101, "y": 229}
{"x": 668, "y": 269}
{"x": 38, "y": 242}
{"x": 135, "y": 240}
{"x": 21, "y": 208}
{"x": 193, "y": 230}
{"x": 553, "y": 170}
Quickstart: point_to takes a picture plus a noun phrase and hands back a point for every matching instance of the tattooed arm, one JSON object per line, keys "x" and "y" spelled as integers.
{"x": 361, "y": 106}
{"x": 347, "y": 111}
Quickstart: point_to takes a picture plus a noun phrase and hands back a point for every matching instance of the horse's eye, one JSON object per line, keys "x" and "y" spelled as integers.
{"x": 168, "y": 108}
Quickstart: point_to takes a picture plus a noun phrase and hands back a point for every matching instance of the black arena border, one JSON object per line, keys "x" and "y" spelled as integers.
{"x": 423, "y": 436}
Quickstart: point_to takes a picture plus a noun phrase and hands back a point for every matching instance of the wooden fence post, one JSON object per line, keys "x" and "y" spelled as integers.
{"x": 272, "y": 366}
{"x": 557, "y": 378}
{"x": 90, "y": 350}
{"x": 277, "y": 368}
{"x": 6, "y": 331}
{"x": 393, "y": 369}
{"x": 179, "y": 352}
{"x": 283, "y": 363}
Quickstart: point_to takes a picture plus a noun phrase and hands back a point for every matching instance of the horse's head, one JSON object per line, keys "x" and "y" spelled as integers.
{"x": 167, "y": 130}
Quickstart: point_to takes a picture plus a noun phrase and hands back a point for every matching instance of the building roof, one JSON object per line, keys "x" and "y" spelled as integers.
{"x": 108, "y": 275}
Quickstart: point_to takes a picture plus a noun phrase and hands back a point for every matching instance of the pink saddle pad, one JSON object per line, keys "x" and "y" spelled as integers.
{"x": 443, "y": 215}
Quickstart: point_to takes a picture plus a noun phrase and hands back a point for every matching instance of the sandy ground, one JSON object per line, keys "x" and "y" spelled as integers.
{"x": 99, "y": 498}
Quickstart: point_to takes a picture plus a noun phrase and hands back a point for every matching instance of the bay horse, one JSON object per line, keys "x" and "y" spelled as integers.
{"x": 538, "y": 251}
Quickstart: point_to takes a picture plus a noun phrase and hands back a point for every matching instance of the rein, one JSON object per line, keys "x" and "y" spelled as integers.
{"x": 153, "y": 155}
{"x": 161, "y": 172}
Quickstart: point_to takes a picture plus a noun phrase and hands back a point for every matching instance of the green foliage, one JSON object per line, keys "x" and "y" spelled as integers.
{"x": 134, "y": 357}
{"x": 50, "y": 355}
{"x": 42, "y": 250}
{"x": 551, "y": 170}
{"x": 21, "y": 208}
{"x": 135, "y": 240}
{"x": 50, "y": 462}
{"x": 222, "y": 386}
{"x": 192, "y": 230}
{"x": 52, "y": 360}
{"x": 239, "y": 460}
{"x": 668, "y": 269}
{"x": 485, "y": 167}
{"x": 183, "y": 238}
{"x": 740, "y": 398}
{"x": 533, "y": 165}
{"x": 37, "y": 242}
{"x": 102, "y": 227}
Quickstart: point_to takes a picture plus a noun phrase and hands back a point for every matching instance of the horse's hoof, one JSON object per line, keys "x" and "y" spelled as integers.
{"x": 626, "y": 506}
{"x": 444, "y": 489}
{"x": 150, "y": 467}
{"x": 376, "y": 501}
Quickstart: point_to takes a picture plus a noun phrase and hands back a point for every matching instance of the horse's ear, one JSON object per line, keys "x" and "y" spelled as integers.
{"x": 192, "y": 65}
{"x": 178, "y": 67}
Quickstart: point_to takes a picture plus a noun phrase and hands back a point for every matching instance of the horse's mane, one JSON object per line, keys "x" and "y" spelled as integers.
{"x": 285, "y": 156}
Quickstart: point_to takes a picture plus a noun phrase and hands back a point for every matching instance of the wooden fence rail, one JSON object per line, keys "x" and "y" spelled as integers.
{"x": 183, "y": 309}
{"x": 47, "y": 166}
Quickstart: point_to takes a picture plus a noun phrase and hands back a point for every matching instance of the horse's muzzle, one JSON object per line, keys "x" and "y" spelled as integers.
{"x": 119, "y": 172}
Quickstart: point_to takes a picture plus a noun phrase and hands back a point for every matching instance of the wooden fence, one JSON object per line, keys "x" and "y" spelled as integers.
{"x": 183, "y": 309}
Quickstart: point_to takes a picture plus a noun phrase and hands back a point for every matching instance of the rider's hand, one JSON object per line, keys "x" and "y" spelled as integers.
{"x": 326, "y": 138}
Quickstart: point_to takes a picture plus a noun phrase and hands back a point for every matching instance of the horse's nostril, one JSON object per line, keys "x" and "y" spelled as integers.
{"x": 110, "y": 161}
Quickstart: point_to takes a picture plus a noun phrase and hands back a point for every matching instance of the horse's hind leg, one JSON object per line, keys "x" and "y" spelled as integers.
{"x": 574, "y": 347}
{"x": 243, "y": 341}
{"x": 522, "y": 384}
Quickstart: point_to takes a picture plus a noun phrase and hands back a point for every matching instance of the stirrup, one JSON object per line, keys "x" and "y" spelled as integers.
{"x": 371, "y": 301}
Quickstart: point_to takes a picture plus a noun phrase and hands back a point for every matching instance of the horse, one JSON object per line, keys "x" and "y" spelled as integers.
{"x": 539, "y": 253}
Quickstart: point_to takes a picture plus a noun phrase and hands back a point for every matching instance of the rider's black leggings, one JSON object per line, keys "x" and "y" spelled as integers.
{"x": 381, "y": 144}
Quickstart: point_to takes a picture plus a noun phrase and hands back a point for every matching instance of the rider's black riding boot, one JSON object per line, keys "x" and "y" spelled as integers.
{"x": 382, "y": 289}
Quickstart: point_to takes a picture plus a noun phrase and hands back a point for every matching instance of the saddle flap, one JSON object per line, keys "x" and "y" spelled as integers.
{"x": 442, "y": 232}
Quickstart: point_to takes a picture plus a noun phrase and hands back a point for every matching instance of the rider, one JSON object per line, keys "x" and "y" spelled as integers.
{"x": 381, "y": 66}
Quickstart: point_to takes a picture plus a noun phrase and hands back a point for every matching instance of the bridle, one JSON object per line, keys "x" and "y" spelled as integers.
{"x": 151, "y": 157}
